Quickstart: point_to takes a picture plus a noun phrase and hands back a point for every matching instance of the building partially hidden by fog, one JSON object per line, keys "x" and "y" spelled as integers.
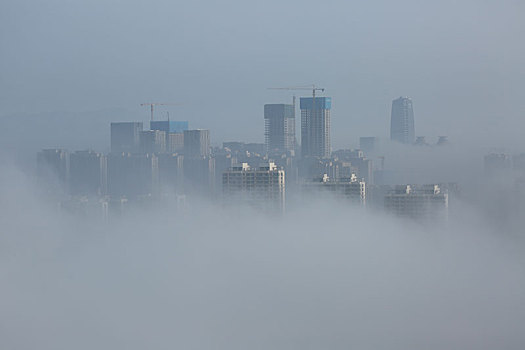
{"x": 279, "y": 132}
{"x": 125, "y": 137}
{"x": 153, "y": 141}
{"x": 88, "y": 173}
{"x": 497, "y": 164}
{"x": 262, "y": 187}
{"x": 132, "y": 175}
{"x": 402, "y": 121}
{"x": 197, "y": 143}
{"x": 351, "y": 189}
{"x": 169, "y": 126}
{"x": 369, "y": 143}
{"x": 53, "y": 169}
{"x": 315, "y": 126}
{"x": 427, "y": 203}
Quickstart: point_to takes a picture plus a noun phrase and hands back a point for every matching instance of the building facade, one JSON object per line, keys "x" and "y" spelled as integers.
{"x": 197, "y": 143}
{"x": 315, "y": 126}
{"x": 279, "y": 130}
{"x": 153, "y": 141}
{"x": 169, "y": 126}
{"x": 88, "y": 173}
{"x": 125, "y": 137}
{"x": 262, "y": 187}
{"x": 422, "y": 203}
{"x": 402, "y": 121}
{"x": 351, "y": 189}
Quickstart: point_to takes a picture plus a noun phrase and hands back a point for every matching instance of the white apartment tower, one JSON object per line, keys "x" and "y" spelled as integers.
{"x": 262, "y": 187}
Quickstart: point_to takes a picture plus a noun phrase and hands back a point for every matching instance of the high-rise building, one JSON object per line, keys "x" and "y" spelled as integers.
{"x": 132, "y": 175}
{"x": 88, "y": 173}
{"x": 262, "y": 187}
{"x": 423, "y": 203}
{"x": 171, "y": 173}
{"x": 197, "y": 143}
{"x": 402, "y": 121}
{"x": 153, "y": 141}
{"x": 351, "y": 188}
{"x": 279, "y": 134}
{"x": 125, "y": 137}
{"x": 497, "y": 164}
{"x": 174, "y": 133}
{"x": 315, "y": 126}
{"x": 175, "y": 142}
{"x": 369, "y": 143}
{"x": 53, "y": 169}
{"x": 169, "y": 126}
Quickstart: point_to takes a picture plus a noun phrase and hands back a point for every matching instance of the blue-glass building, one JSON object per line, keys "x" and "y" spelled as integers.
{"x": 169, "y": 126}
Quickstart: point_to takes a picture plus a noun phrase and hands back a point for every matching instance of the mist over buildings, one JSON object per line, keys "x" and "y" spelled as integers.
{"x": 381, "y": 208}
{"x": 324, "y": 276}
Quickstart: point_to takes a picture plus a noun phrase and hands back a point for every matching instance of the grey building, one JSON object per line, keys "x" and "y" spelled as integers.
{"x": 175, "y": 142}
{"x": 279, "y": 130}
{"x": 53, "y": 169}
{"x": 132, "y": 175}
{"x": 422, "y": 203}
{"x": 262, "y": 187}
{"x": 369, "y": 143}
{"x": 153, "y": 141}
{"x": 125, "y": 137}
{"x": 350, "y": 189}
{"x": 315, "y": 126}
{"x": 88, "y": 173}
{"x": 197, "y": 143}
{"x": 402, "y": 121}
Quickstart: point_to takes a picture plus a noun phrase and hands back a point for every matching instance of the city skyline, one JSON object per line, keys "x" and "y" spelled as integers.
{"x": 245, "y": 175}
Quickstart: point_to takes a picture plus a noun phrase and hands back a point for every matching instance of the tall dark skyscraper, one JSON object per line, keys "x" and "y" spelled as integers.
{"x": 279, "y": 120}
{"x": 402, "y": 121}
{"x": 315, "y": 126}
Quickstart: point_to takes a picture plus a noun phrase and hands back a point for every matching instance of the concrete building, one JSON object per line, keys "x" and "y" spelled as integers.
{"x": 169, "y": 126}
{"x": 497, "y": 164}
{"x": 422, "y": 203}
{"x": 88, "y": 173}
{"x": 369, "y": 143}
{"x": 279, "y": 131}
{"x": 125, "y": 137}
{"x": 153, "y": 141}
{"x": 171, "y": 173}
{"x": 197, "y": 143}
{"x": 199, "y": 175}
{"x": 175, "y": 142}
{"x": 53, "y": 169}
{"x": 132, "y": 175}
{"x": 351, "y": 189}
{"x": 315, "y": 126}
{"x": 262, "y": 187}
{"x": 402, "y": 121}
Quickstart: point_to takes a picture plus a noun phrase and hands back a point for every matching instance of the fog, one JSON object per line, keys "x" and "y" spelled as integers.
{"x": 323, "y": 276}
{"x": 206, "y": 273}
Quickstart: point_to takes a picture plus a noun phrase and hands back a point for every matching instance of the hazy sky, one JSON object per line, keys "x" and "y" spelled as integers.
{"x": 460, "y": 61}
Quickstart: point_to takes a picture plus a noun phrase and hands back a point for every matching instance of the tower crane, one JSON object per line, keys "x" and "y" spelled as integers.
{"x": 304, "y": 87}
{"x": 152, "y": 105}
{"x": 312, "y": 87}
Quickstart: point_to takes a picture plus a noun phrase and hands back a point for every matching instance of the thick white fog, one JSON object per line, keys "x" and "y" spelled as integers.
{"x": 211, "y": 277}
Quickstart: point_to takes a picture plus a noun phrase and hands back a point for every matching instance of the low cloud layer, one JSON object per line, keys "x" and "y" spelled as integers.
{"x": 324, "y": 276}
